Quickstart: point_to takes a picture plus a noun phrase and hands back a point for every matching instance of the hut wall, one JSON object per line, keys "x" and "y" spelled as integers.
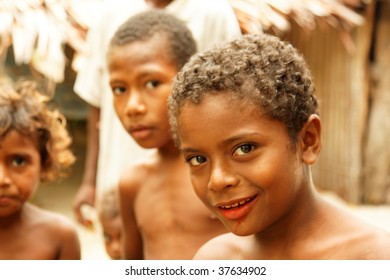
{"x": 376, "y": 181}
{"x": 341, "y": 79}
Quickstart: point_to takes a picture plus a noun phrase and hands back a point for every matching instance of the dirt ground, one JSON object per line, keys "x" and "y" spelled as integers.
{"x": 58, "y": 197}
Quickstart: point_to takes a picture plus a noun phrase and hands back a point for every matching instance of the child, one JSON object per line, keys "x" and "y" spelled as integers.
{"x": 111, "y": 222}
{"x": 162, "y": 217}
{"x": 34, "y": 147}
{"x": 245, "y": 117}
{"x": 210, "y": 22}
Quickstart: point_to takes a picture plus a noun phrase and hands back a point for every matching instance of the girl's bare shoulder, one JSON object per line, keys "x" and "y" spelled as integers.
{"x": 51, "y": 221}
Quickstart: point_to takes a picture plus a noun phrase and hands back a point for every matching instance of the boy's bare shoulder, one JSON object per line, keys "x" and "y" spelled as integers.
{"x": 223, "y": 247}
{"x": 136, "y": 175}
{"x": 355, "y": 238}
{"x": 374, "y": 244}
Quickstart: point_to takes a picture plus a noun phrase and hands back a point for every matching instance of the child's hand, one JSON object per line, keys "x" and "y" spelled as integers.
{"x": 89, "y": 216}
{"x": 84, "y": 196}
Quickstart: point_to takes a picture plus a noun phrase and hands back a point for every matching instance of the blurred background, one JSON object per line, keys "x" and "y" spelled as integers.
{"x": 345, "y": 42}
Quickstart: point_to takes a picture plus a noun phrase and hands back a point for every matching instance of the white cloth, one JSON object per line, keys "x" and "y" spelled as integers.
{"x": 210, "y": 22}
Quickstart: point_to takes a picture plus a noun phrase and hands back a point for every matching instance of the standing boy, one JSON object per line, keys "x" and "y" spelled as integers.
{"x": 162, "y": 217}
{"x": 245, "y": 117}
{"x": 210, "y": 22}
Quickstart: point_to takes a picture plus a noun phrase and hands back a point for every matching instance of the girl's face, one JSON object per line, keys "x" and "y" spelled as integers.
{"x": 243, "y": 166}
{"x": 20, "y": 170}
{"x": 112, "y": 236}
{"x": 141, "y": 75}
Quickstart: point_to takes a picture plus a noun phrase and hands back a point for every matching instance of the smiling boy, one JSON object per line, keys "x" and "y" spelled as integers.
{"x": 245, "y": 117}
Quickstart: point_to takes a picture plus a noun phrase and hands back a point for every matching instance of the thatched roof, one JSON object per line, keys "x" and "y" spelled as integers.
{"x": 38, "y": 30}
{"x": 276, "y": 15}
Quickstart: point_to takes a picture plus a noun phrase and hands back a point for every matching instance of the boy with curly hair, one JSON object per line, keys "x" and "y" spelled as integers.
{"x": 34, "y": 147}
{"x": 245, "y": 117}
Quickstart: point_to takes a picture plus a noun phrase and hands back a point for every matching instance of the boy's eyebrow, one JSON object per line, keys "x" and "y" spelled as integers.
{"x": 226, "y": 141}
{"x": 240, "y": 136}
{"x": 188, "y": 150}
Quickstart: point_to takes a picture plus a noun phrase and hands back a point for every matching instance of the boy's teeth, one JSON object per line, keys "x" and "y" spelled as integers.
{"x": 242, "y": 202}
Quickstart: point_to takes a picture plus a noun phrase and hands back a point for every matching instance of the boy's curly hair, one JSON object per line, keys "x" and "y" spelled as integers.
{"x": 26, "y": 110}
{"x": 260, "y": 69}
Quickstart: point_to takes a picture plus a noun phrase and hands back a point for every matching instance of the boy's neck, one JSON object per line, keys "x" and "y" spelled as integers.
{"x": 169, "y": 151}
{"x": 301, "y": 222}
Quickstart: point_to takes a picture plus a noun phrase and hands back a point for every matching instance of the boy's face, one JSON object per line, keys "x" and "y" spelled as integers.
{"x": 141, "y": 75}
{"x": 20, "y": 168}
{"x": 112, "y": 236}
{"x": 243, "y": 166}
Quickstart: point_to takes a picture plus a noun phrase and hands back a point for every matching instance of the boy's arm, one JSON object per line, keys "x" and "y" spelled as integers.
{"x": 132, "y": 239}
{"x": 87, "y": 190}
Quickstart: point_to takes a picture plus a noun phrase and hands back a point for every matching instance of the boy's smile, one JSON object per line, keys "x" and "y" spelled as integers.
{"x": 236, "y": 209}
{"x": 243, "y": 165}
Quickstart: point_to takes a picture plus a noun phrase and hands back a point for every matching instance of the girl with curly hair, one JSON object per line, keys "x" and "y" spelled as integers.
{"x": 34, "y": 147}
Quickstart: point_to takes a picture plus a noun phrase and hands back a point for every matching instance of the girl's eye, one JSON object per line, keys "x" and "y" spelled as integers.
{"x": 243, "y": 150}
{"x": 118, "y": 90}
{"x": 196, "y": 160}
{"x": 18, "y": 161}
{"x": 152, "y": 84}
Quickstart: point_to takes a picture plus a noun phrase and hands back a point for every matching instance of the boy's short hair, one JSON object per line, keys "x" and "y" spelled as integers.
{"x": 110, "y": 204}
{"x": 25, "y": 109}
{"x": 260, "y": 69}
{"x": 155, "y": 22}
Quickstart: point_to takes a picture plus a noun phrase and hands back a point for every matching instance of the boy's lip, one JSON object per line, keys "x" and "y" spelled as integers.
{"x": 237, "y": 208}
{"x": 140, "y": 131}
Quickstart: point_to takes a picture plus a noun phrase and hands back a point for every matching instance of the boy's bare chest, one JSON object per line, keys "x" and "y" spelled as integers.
{"x": 168, "y": 202}
{"x": 166, "y": 206}
{"x": 172, "y": 219}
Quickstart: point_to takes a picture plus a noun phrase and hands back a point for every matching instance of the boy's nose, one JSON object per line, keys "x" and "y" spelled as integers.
{"x": 4, "y": 177}
{"x": 222, "y": 178}
{"x": 135, "y": 105}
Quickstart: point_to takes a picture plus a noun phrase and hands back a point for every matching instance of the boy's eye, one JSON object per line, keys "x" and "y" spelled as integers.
{"x": 18, "y": 161}
{"x": 152, "y": 84}
{"x": 243, "y": 150}
{"x": 118, "y": 90}
{"x": 196, "y": 160}
{"x": 107, "y": 237}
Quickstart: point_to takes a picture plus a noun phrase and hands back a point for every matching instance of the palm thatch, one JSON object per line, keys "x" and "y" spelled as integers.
{"x": 276, "y": 15}
{"x": 38, "y": 30}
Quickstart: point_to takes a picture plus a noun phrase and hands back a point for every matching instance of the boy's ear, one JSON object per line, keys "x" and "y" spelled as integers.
{"x": 310, "y": 139}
